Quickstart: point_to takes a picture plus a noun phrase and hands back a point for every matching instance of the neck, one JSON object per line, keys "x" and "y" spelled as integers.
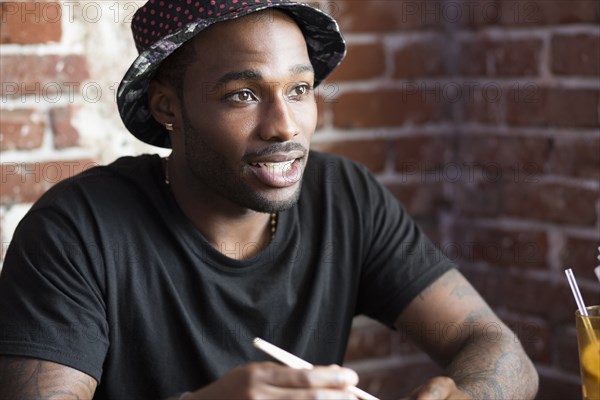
{"x": 236, "y": 232}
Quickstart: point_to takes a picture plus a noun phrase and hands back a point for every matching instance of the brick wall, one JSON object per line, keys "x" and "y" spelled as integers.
{"x": 481, "y": 116}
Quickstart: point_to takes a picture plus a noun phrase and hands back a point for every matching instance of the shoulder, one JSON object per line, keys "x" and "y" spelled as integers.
{"x": 100, "y": 183}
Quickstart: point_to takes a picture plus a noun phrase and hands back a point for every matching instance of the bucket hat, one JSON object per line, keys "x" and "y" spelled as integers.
{"x": 161, "y": 27}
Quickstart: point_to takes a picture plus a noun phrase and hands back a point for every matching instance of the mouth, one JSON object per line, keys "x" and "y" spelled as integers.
{"x": 275, "y": 167}
{"x": 278, "y": 171}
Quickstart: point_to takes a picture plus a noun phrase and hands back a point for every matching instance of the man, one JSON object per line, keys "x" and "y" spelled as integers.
{"x": 149, "y": 278}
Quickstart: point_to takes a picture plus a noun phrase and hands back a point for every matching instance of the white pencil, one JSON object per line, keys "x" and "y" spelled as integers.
{"x": 295, "y": 362}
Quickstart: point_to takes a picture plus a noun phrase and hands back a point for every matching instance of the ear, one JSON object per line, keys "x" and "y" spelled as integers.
{"x": 164, "y": 103}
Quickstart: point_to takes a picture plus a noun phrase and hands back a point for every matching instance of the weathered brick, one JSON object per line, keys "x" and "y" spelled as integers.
{"x": 485, "y": 279}
{"x": 483, "y": 103}
{"x": 576, "y": 157}
{"x": 551, "y": 202}
{"x": 387, "y": 108}
{"x": 421, "y": 58}
{"x": 21, "y": 129}
{"x": 364, "y": 61}
{"x": 554, "y": 107}
{"x": 386, "y": 16}
{"x": 420, "y": 156}
{"x": 581, "y": 254}
{"x": 25, "y": 182}
{"x": 45, "y": 77}
{"x": 499, "y": 247}
{"x": 509, "y": 57}
{"x": 544, "y": 298}
{"x": 503, "y": 157}
{"x": 28, "y": 22}
{"x": 419, "y": 199}
{"x": 65, "y": 135}
{"x": 576, "y": 54}
{"x": 479, "y": 198}
{"x": 566, "y": 354}
{"x": 371, "y": 153}
{"x": 534, "y": 334}
{"x": 548, "y": 12}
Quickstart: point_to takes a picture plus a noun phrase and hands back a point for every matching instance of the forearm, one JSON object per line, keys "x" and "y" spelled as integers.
{"x": 494, "y": 369}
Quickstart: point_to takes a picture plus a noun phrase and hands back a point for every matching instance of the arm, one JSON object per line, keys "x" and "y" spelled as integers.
{"x": 482, "y": 356}
{"x": 30, "y": 378}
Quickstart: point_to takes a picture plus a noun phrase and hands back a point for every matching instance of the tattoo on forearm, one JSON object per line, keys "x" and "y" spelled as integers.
{"x": 25, "y": 378}
{"x": 491, "y": 383}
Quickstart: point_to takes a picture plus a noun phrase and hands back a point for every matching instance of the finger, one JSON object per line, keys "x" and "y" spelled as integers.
{"x": 304, "y": 394}
{"x": 436, "y": 389}
{"x": 318, "y": 377}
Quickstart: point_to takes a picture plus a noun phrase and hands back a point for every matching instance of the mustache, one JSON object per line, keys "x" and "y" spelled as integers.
{"x": 274, "y": 149}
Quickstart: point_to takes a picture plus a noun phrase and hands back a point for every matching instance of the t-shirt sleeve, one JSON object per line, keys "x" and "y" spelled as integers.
{"x": 51, "y": 301}
{"x": 400, "y": 261}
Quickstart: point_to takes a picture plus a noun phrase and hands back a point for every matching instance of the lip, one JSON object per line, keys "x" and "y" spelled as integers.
{"x": 278, "y": 177}
{"x": 278, "y": 157}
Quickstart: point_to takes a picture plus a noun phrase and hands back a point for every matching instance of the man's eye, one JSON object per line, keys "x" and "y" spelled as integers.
{"x": 299, "y": 91}
{"x": 243, "y": 96}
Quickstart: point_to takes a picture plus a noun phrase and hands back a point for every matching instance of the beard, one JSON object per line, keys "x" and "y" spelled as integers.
{"x": 216, "y": 173}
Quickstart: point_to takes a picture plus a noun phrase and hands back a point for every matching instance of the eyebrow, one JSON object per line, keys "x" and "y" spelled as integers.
{"x": 254, "y": 75}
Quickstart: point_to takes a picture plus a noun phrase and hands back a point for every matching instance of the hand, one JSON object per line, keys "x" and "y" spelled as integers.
{"x": 272, "y": 381}
{"x": 439, "y": 388}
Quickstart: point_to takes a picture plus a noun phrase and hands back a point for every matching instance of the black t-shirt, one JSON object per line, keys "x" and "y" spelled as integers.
{"x": 106, "y": 275}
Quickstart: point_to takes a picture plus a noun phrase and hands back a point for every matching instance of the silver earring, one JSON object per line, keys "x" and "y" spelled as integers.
{"x": 169, "y": 127}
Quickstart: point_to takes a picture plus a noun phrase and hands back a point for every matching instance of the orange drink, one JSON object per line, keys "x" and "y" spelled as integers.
{"x": 588, "y": 341}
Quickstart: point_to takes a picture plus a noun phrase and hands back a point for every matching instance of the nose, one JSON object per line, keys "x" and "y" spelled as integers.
{"x": 279, "y": 122}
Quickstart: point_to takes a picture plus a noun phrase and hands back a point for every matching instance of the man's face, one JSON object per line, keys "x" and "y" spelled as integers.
{"x": 248, "y": 112}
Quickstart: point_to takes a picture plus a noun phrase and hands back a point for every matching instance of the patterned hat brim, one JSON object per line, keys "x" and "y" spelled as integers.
{"x": 325, "y": 44}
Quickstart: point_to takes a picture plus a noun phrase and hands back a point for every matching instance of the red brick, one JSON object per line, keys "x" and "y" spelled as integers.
{"x": 422, "y": 58}
{"x": 481, "y": 199}
{"x": 30, "y": 22}
{"x": 26, "y": 182}
{"x": 388, "y": 108}
{"x": 548, "y": 12}
{"x": 483, "y": 103}
{"x": 499, "y": 247}
{"x": 48, "y": 76}
{"x": 65, "y": 135}
{"x": 534, "y": 334}
{"x": 21, "y": 129}
{"x": 485, "y": 279}
{"x": 421, "y": 152}
{"x": 419, "y": 199}
{"x": 485, "y": 57}
{"x": 363, "y": 61}
{"x": 544, "y": 298}
{"x": 566, "y": 353}
{"x": 581, "y": 255}
{"x": 474, "y": 14}
{"x": 576, "y": 55}
{"x": 386, "y": 16}
{"x": 503, "y": 157}
{"x": 554, "y": 107}
{"x": 551, "y": 202}
{"x": 576, "y": 157}
{"x": 371, "y": 153}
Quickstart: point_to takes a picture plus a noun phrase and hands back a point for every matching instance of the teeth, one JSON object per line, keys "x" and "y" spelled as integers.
{"x": 277, "y": 168}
